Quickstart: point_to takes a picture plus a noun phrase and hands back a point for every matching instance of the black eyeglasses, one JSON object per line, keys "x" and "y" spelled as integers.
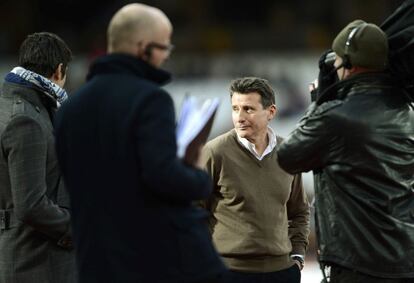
{"x": 165, "y": 47}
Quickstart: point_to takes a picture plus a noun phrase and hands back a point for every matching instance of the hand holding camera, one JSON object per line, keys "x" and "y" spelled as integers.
{"x": 327, "y": 75}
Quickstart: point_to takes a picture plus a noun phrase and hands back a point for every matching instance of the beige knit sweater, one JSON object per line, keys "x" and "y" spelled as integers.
{"x": 259, "y": 213}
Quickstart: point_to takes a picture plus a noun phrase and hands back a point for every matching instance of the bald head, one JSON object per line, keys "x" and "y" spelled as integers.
{"x": 134, "y": 24}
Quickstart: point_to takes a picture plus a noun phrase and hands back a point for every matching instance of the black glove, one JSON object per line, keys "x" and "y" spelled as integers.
{"x": 327, "y": 74}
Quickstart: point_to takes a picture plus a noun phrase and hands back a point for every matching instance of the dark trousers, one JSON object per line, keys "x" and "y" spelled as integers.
{"x": 289, "y": 275}
{"x": 340, "y": 274}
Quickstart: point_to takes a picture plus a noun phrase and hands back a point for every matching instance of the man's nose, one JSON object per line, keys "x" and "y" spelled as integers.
{"x": 240, "y": 116}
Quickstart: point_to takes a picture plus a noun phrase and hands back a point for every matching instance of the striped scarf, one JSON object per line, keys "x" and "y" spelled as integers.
{"x": 22, "y": 76}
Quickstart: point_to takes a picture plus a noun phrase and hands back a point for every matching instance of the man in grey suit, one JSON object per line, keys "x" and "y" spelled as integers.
{"x": 35, "y": 234}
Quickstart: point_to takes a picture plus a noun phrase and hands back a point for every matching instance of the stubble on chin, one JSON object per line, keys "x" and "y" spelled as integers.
{"x": 241, "y": 133}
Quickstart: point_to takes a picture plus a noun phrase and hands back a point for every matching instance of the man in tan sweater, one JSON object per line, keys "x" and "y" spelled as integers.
{"x": 259, "y": 213}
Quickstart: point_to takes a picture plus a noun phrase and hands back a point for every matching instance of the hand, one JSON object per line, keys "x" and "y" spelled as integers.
{"x": 299, "y": 264}
{"x": 199, "y": 162}
{"x": 193, "y": 156}
{"x": 299, "y": 261}
{"x": 327, "y": 75}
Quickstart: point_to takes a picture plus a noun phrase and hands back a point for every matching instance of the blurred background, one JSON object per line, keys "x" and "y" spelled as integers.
{"x": 215, "y": 42}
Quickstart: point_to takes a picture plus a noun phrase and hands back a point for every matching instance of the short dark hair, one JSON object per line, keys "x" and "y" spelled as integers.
{"x": 42, "y": 53}
{"x": 252, "y": 84}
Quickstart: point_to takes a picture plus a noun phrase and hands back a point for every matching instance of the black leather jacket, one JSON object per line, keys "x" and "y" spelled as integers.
{"x": 361, "y": 149}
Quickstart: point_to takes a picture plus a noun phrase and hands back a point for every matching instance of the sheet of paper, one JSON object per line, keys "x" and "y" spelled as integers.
{"x": 194, "y": 115}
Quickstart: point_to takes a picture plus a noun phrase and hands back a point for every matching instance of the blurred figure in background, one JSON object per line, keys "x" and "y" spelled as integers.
{"x": 132, "y": 214}
{"x": 35, "y": 234}
{"x": 358, "y": 138}
{"x": 259, "y": 213}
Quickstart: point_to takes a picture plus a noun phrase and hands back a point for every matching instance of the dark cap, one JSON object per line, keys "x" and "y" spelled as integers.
{"x": 367, "y": 47}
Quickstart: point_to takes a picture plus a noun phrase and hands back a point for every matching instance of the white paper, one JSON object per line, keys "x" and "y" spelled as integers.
{"x": 194, "y": 115}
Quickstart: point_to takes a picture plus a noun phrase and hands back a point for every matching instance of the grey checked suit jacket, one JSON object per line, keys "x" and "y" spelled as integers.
{"x": 35, "y": 241}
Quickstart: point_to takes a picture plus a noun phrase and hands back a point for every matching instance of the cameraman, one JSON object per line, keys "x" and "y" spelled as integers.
{"x": 358, "y": 138}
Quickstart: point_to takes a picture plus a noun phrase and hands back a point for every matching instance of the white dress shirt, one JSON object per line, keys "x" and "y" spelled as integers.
{"x": 252, "y": 148}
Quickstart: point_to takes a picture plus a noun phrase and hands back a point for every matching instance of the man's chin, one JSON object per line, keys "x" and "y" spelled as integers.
{"x": 242, "y": 133}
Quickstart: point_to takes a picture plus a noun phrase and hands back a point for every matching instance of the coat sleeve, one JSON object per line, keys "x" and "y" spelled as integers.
{"x": 298, "y": 216}
{"x": 162, "y": 171}
{"x": 25, "y": 145}
{"x": 307, "y": 147}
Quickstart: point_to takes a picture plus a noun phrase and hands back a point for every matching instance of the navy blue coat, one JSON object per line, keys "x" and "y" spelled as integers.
{"x": 131, "y": 197}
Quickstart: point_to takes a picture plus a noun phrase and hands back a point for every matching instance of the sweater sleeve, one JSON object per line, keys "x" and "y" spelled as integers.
{"x": 162, "y": 171}
{"x": 209, "y": 163}
{"x": 210, "y": 166}
{"x": 298, "y": 216}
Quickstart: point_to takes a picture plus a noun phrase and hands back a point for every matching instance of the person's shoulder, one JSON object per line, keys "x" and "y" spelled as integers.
{"x": 158, "y": 96}
{"x": 23, "y": 115}
{"x": 222, "y": 142}
{"x": 14, "y": 104}
{"x": 147, "y": 88}
{"x": 23, "y": 108}
{"x": 327, "y": 107}
{"x": 6, "y": 106}
{"x": 144, "y": 83}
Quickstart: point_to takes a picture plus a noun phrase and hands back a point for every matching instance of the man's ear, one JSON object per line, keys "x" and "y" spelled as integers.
{"x": 272, "y": 111}
{"x": 58, "y": 73}
{"x": 143, "y": 52}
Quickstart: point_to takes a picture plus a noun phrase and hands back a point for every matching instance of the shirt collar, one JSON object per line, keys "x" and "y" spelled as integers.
{"x": 252, "y": 148}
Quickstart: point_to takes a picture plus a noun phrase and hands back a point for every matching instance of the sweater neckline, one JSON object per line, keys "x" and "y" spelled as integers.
{"x": 250, "y": 154}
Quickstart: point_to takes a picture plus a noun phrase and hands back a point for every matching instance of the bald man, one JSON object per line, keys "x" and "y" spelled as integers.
{"x": 131, "y": 197}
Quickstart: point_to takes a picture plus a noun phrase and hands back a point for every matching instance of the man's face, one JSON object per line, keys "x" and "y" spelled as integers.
{"x": 250, "y": 119}
{"x": 160, "y": 47}
{"x": 342, "y": 72}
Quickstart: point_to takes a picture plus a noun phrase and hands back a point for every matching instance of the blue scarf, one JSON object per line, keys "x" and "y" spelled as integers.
{"x": 28, "y": 78}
